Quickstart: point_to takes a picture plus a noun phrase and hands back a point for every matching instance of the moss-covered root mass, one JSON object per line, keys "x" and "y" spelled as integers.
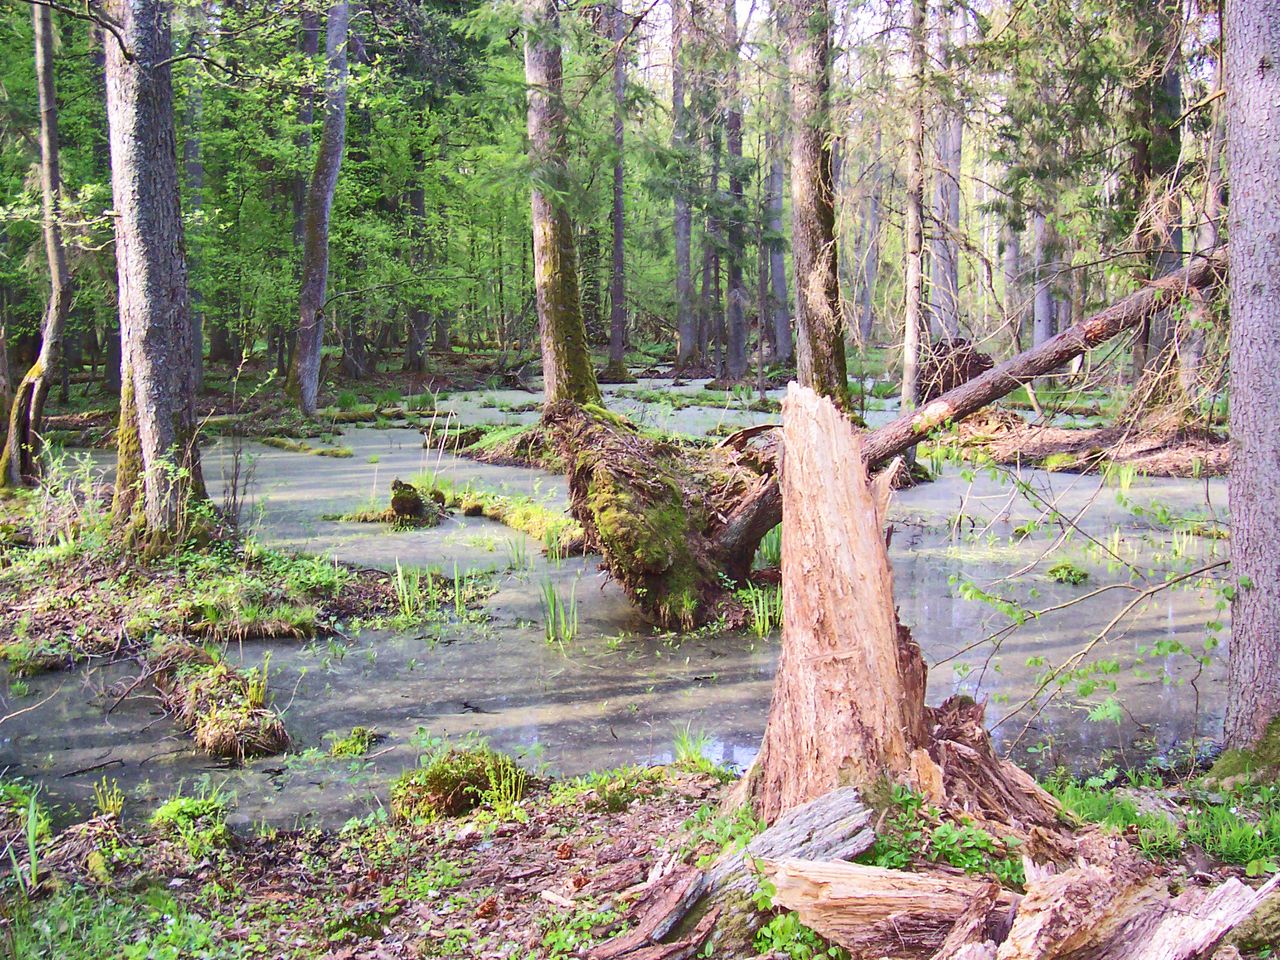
{"x": 650, "y": 507}
{"x": 224, "y": 708}
{"x": 1261, "y": 764}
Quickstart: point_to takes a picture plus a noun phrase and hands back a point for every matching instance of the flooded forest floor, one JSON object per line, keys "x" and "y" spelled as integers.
{"x": 448, "y": 734}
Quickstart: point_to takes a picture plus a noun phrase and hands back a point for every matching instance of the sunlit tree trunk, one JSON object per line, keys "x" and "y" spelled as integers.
{"x": 617, "y": 368}
{"x": 870, "y": 253}
{"x": 566, "y": 365}
{"x": 1042, "y": 303}
{"x": 687, "y": 347}
{"x": 20, "y": 461}
{"x": 193, "y": 165}
{"x": 944, "y": 290}
{"x": 1011, "y": 268}
{"x": 779, "y": 300}
{"x": 914, "y": 239}
{"x": 304, "y": 373}
{"x": 156, "y": 442}
{"x": 736, "y": 359}
{"x": 820, "y": 356}
{"x": 1253, "y": 159}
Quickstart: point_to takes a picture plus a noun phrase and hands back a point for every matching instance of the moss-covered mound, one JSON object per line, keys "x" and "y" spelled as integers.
{"x": 455, "y": 782}
{"x": 653, "y": 508}
{"x": 224, "y": 708}
{"x": 1258, "y": 765}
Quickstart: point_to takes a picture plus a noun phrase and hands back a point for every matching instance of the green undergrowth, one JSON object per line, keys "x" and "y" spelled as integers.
{"x": 1255, "y": 765}
{"x": 1240, "y": 826}
{"x": 198, "y": 820}
{"x": 914, "y": 831}
{"x": 452, "y": 780}
{"x": 81, "y": 592}
{"x": 354, "y": 744}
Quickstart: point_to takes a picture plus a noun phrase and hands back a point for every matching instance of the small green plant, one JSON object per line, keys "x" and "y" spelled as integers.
{"x": 354, "y": 744}
{"x": 409, "y": 596}
{"x": 199, "y": 821}
{"x": 108, "y": 798}
{"x": 769, "y": 553}
{"x": 1064, "y": 571}
{"x": 725, "y": 832}
{"x": 690, "y": 753}
{"x": 786, "y": 936}
{"x": 764, "y": 606}
{"x": 559, "y": 614}
{"x": 347, "y": 401}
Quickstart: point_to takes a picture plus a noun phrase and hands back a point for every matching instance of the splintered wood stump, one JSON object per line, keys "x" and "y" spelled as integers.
{"x": 848, "y": 698}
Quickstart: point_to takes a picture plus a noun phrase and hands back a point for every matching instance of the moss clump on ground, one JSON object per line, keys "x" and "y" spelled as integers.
{"x": 549, "y": 527}
{"x": 301, "y": 446}
{"x": 354, "y": 744}
{"x": 1064, "y": 571}
{"x": 1260, "y": 764}
{"x": 454, "y": 782}
{"x": 409, "y": 509}
{"x": 199, "y": 821}
{"x": 224, "y": 708}
{"x": 522, "y": 446}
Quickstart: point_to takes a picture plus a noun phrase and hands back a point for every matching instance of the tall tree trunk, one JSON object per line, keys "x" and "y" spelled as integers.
{"x": 1213, "y": 202}
{"x": 617, "y": 368}
{"x": 736, "y": 359}
{"x": 193, "y": 163}
{"x": 780, "y": 300}
{"x": 1011, "y": 267}
{"x": 687, "y": 346}
{"x": 304, "y": 373}
{"x": 309, "y": 45}
{"x": 820, "y": 357}
{"x": 870, "y": 253}
{"x": 914, "y": 240}
{"x": 156, "y": 442}
{"x": 1253, "y": 159}
{"x": 20, "y": 461}
{"x": 944, "y": 291}
{"x": 566, "y": 365}
{"x": 1042, "y": 304}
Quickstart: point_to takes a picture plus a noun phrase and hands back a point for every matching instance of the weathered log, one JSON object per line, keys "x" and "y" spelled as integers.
{"x": 873, "y": 912}
{"x": 1121, "y": 911}
{"x": 762, "y": 509}
{"x": 661, "y": 907}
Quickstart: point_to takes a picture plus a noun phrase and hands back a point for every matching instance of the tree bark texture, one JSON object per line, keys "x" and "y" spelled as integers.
{"x": 820, "y": 353}
{"x": 914, "y": 238}
{"x": 736, "y": 359}
{"x": 20, "y": 461}
{"x": 687, "y": 346}
{"x": 304, "y": 373}
{"x": 1253, "y": 226}
{"x": 566, "y": 365}
{"x": 617, "y": 276}
{"x": 1042, "y": 304}
{"x": 870, "y": 253}
{"x": 944, "y": 291}
{"x": 157, "y": 436}
{"x": 848, "y": 697}
{"x": 779, "y": 300}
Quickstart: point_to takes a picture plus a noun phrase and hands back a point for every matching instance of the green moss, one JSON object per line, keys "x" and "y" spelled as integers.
{"x": 198, "y": 821}
{"x": 354, "y": 744}
{"x": 517, "y": 512}
{"x": 1064, "y": 571}
{"x": 1262, "y": 761}
{"x": 452, "y": 783}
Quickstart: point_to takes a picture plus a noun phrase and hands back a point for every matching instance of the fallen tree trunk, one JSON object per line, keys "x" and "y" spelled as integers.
{"x": 761, "y": 510}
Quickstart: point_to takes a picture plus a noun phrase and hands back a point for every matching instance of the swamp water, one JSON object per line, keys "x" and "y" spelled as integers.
{"x": 619, "y": 692}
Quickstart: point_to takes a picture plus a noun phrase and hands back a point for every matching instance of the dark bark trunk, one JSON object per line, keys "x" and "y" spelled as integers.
{"x": 193, "y": 162}
{"x": 1011, "y": 266}
{"x": 914, "y": 240}
{"x": 736, "y": 359}
{"x": 566, "y": 365}
{"x": 820, "y": 354}
{"x": 944, "y": 291}
{"x": 304, "y": 372}
{"x": 20, "y": 461}
{"x": 1252, "y": 66}
{"x": 156, "y": 442}
{"x": 780, "y": 301}
{"x": 687, "y": 345}
{"x": 617, "y": 277}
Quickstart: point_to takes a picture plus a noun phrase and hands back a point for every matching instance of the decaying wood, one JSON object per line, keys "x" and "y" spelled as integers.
{"x": 969, "y": 937}
{"x": 848, "y": 698}
{"x": 660, "y": 908}
{"x": 873, "y": 912}
{"x": 1123, "y": 911}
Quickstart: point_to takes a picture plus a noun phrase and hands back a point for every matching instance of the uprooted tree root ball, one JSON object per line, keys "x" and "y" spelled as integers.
{"x": 655, "y": 511}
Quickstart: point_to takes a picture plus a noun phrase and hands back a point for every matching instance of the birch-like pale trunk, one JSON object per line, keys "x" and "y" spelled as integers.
{"x": 1042, "y": 302}
{"x": 157, "y": 455}
{"x": 1253, "y": 226}
{"x": 304, "y": 372}
{"x": 20, "y": 460}
{"x": 914, "y": 239}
